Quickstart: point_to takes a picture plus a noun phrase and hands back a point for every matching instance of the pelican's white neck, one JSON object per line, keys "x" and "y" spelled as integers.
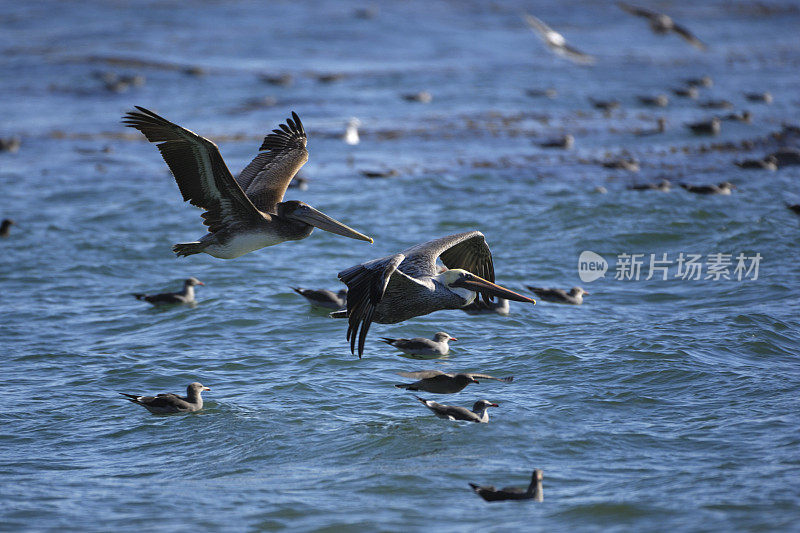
{"x": 447, "y": 277}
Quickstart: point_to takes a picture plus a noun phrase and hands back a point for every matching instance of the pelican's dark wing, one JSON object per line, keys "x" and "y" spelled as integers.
{"x": 689, "y": 36}
{"x": 267, "y": 177}
{"x": 198, "y": 168}
{"x": 638, "y": 11}
{"x": 366, "y": 285}
{"x": 467, "y": 250}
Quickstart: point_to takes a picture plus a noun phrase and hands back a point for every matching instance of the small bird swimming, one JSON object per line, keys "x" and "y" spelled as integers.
{"x": 420, "y": 346}
{"x": 171, "y": 403}
{"x": 186, "y": 296}
{"x": 565, "y": 141}
{"x": 560, "y": 296}
{"x": 623, "y": 163}
{"x": 716, "y": 104}
{"x": 794, "y": 208}
{"x": 5, "y": 227}
{"x": 533, "y": 492}
{"x": 663, "y": 186}
{"x": 423, "y": 97}
{"x": 741, "y": 116}
{"x": 246, "y": 213}
{"x": 662, "y": 24}
{"x": 438, "y": 382}
{"x": 323, "y": 297}
{"x": 556, "y": 42}
{"x": 478, "y": 414}
{"x": 687, "y": 92}
{"x": 702, "y": 81}
{"x": 660, "y": 100}
{"x": 764, "y": 97}
{"x": 769, "y": 162}
{"x": 706, "y": 127}
{"x": 725, "y": 188}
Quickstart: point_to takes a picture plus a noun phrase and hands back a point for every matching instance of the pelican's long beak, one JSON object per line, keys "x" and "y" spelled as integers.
{"x": 480, "y": 285}
{"x": 320, "y": 220}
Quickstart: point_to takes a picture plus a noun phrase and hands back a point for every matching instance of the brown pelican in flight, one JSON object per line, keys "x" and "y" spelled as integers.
{"x": 245, "y": 213}
{"x": 408, "y": 284}
{"x": 556, "y": 42}
{"x": 663, "y": 24}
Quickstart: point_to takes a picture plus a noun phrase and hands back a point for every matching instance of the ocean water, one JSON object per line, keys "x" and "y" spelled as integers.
{"x": 657, "y": 405}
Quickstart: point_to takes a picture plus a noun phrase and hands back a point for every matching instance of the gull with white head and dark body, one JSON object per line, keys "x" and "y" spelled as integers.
{"x": 323, "y": 297}
{"x": 245, "y": 213}
{"x": 420, "y": 346}
{"x": 556, "y": 42}
{"x": 533, "y": 492}
{"x": 478, "y": 414}
{"x": 438, "y": 382}
{"x": 186, "y": 296}
{"x": 163, "y": 404}
{"x": 408, "y": 284}
{"x": 662, "y": 24}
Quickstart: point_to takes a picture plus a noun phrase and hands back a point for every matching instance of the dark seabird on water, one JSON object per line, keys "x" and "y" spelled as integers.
{"x": 687, "y": 92}
{"x": 660, "y": 100}
{"x": 742, "y": 116}
{"x": 716, "y": 104}
{"x": 604, "y": 105}
{"x": 725, "y": 188}
{"x": 565, "y": 142}
{"x": 663, "y": 186}
{"x": 420, "y": 346}
{"x": 786, "y": 156}
{"x": 171, "y": 403}
{"x": 438, "y": 382}
{"x": 186, "y": 296}
{"x": 533, "y": 492}
{"x": 702, "y": 81}
{"x": 556, "y": 42}
{"x": 662, "y": 24}
{"x": 706, "y": 127}
{"x": 794, "y": 208}
{"x": 630, "y": 164}
{"x": 769, "y": 162}
{"x": 246, "y": 213}
{"x": 376, "y": 174}
{"x": 397, "y": 287}
{"x": 479, "y": 412}
{"x": 560, "y": 296}
{"x": 764, "y": 97}
{"x": 5, "y": 227}
{"x": 323, "y": 297}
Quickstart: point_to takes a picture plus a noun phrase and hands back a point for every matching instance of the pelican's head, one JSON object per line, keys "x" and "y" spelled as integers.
{"x": 468, "y": 285}
{"x": 304, "y": 213}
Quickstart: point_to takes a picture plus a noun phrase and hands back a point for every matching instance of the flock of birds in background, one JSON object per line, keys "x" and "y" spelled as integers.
{"x": 247, "y": 212}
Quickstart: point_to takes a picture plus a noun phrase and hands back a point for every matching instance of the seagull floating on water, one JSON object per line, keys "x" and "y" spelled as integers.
{"x": 565, "y": 141}
{"x": 769, "y": 162}
{"x": 663, "y": 186}
{"x": 323, "y": 297}
{"x": 725, "y": 188}
{"x": 438, "y": 382}
{"x": 706, "y": 127}
{"x": 662, "y": 24}
{"x": 420, "y": 346}
{"x": 556, "y": 42}
{"x": 171, "y": 403}
{"x": 659, "y": 100}
{"x": 533, "y": 492}
{"x": 186, "y": 296}
{"x": 478, "y": 414}
{"x": 408, "y": 284}
{"x": 246, "y": 213}
{"x": 560, "y": 296}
